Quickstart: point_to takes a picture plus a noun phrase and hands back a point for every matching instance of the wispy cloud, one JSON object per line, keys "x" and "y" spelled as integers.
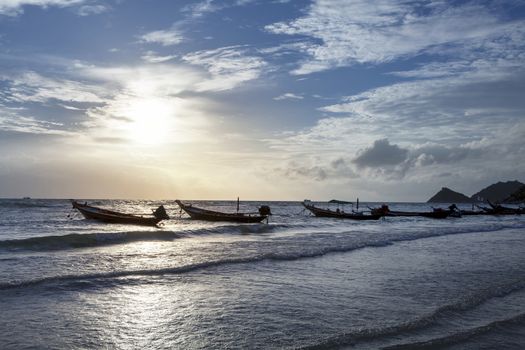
{"x": 15, "y": 122}
{"x": 227, "y": 66}
{"x": 146, "y": 99}
{"x": 153, "y": 57}
{"x": 383, "y": 30}
{"x": 159, "y": 79}
{"x": 202, "y": 8}
{"x": 199, "y": 9}
{"x": 166, "y": 37}
{"x": 33, "y": 87}
{"x": 433, "y": 105}
{"x": 456, "y": 121}
{"x": 15, "y": 7}
{"x": 102, "y": 100}
{"x": 288, "y": 96}
{"x": 94, "y": 9}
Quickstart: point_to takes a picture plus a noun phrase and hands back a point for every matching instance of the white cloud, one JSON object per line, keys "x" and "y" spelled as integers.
{"x": 71, "y": 108}
{"x": 153, "y": 57}
{"x": 145, "y": 101}
{"x": 15, "y": 122}
{"x": 95, "y": 9}
{"x": 228, "y": 67}
{"x": 108, "y": 98}
{"x": 288, "y": 96}
{"x": 378, "y": 31}
{"x": 202, "y": 8}
{"x": 442, "y": 108}
{"x": 33, "y": 87}
{"x": 164, "y": 37}
{"x": 158, "y": 79}
{"x": 15, "y": 7}
{"x": 464, "y": 118}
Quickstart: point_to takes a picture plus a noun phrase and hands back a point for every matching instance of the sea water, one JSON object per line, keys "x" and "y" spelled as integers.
{"x": 298, "y": 282}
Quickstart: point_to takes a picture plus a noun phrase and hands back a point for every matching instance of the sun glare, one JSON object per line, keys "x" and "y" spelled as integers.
{"x": 151, "y": 120}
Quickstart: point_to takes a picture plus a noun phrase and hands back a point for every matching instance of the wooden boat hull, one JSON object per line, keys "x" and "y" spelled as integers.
{"x": 210, "y": 215}
{"x": 497, "y": 209}
{"x": 327, "y": 213}
{"x": 441, "y": 214}
{"x": 113, "y": 217}
{"x": 472, "y": 212}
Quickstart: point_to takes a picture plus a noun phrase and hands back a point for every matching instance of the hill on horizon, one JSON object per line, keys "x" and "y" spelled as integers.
{"x": 446, "y": 195}
{"x": 518, "y": 196}
{"x": 510, "y": 191}
{"x": 497, "y": 192}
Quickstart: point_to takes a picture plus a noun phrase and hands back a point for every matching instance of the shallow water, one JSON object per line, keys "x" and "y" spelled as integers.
{"x": 297, "y": 282}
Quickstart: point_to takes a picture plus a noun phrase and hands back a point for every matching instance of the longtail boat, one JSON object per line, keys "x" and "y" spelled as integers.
{"x": 211, "y": 215}
{"x": 437, "y": 213}
{"x": 473, "y": 212}
{"x": 328, "y": 213}
{"x": 498, "y": 209}
{"x": 109, "y": 216}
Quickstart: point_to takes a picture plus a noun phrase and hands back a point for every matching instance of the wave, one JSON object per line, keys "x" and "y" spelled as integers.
{"x": 86, "y": 240}
{"x": 76, "y": 240}
{"x": 460, "y": 336}
{"x": 467, "y": 302}
{"x": 178, "y": 269}
{"x": 29, "y": 203}
{"x": 304, "y": 252}
{"x": 83, "y": 240}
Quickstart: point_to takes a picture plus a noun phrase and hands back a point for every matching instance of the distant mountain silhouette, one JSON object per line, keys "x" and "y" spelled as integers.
{"x": 498, "y": 192}
{"x": 446, "y": 195}
{"x": 518, "y": 196}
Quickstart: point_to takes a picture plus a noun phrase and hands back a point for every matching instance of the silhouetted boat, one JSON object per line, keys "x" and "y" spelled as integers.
{"x": 498, "y": 209}
{"x": 472, "y": 212}
{"x": 328, "y": 213}
{"x": 109, "y": 216}
{"x": 438, "y": 213}
{"x": 211, "y": 215}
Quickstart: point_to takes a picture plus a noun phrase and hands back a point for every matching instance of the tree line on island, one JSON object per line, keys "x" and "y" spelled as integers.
{"x": 501, "y": 192}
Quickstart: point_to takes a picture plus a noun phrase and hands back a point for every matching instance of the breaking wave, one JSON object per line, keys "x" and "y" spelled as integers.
{"x": 460, "y": 336}
{"x": 465, "y": 303}
{"x": 29, "y": 203}
{"x": 77, "y": 240}
{"x": 301, "y": 252}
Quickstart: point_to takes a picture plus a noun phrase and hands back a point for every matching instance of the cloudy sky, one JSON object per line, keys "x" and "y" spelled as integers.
{"x": 263, "y": 99}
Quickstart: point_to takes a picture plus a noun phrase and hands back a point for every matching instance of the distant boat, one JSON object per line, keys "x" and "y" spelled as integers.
{"x": 26, "y": 197}
{"x": 109, "y": 216}
{"x": 339, "y": 214}
{"x": 211, "y": 215}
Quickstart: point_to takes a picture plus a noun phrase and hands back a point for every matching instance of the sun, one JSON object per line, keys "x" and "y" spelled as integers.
{"x": 150, "y": 120}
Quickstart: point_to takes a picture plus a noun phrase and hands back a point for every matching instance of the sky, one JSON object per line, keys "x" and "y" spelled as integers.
{"x": 385, "y": 100}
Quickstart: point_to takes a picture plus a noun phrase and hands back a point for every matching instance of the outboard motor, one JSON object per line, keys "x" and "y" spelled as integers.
{"x": 383, "y": 210}
{"x": 264, "y": 210}
{"x": 160, "y": 213}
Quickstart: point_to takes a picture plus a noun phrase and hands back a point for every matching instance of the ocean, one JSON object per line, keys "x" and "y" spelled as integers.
{"x": 298, "y": 282}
